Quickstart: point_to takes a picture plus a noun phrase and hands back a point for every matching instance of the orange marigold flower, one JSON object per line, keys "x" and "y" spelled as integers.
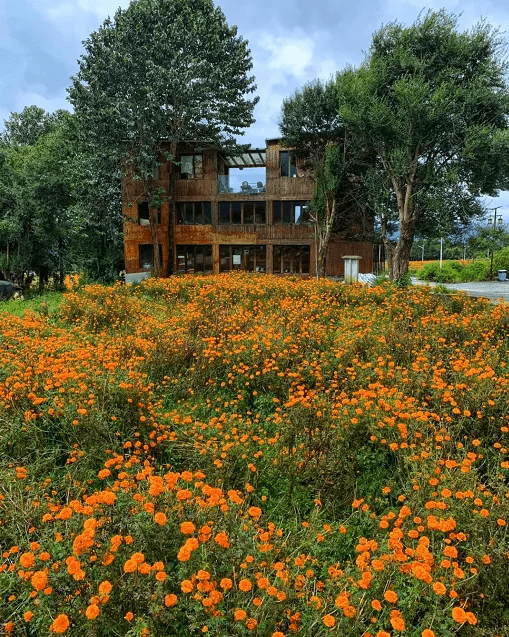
{"x": 27, "y": 560}
{"x": 160, "y": 518}
{"x": 375, "y": 605}
{"x": 130, "y": 566}
{"x": 391, "y": 596}
{"x": 277, "y": 634}
{"x": 459, "y": 615}
{"x": 92, "y": 611}
{"x": 187, "y": 528}
{"x": 254, "y": 512}
{"x": 398, "y": 623}
{"x": 105, "y": 587}
{"x": 239, "y": 615}
{"x": 222, "y": 540}
{"x": 251, "y": 623}
{"x": 471, "y": 618}
{"x": 39, "y": 580}
{"x": 226, "y": 583}
{"x": 28, "y": 615}
{"x": 161, "y": 576}
{"x": 170, "y": 600}
{"x": 427, "y": 633}
{"x": 128, "y": 616}
{"x": 329, "y": 621}
{"x": 439, "y": 588}
{"x": 245, "y": 585}
{"x": 60, "y": 624}
{"x": 186, "y": 586}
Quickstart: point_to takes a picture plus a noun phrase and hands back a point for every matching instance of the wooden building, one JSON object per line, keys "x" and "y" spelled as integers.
{"x": 242, "y": 213}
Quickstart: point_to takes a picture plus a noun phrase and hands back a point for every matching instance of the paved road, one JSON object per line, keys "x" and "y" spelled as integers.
{"x": 493, "y": 290}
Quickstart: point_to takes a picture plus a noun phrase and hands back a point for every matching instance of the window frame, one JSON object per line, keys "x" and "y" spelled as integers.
{"x": 256, "y": 205}
{"x": 305, "y": 251}
{"x": 141, "y": 246}
{"x": 247, "y": 252}
{"x": 207, "y": 253}
{"x": 291, "y": 206}
{"x": 291, "y": 164}
{"x": 196, "y": 160}
{"x": 206, "y": 213}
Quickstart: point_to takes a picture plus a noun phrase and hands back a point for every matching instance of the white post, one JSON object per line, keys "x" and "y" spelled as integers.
{"x": 441, "y": 249}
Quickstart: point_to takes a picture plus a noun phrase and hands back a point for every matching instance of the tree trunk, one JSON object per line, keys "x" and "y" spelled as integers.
{"x": 171, "y": 209}
{"x": 152, "y": 215}
{"x": 398, "y": 253}
{"x": 323, "y": 234}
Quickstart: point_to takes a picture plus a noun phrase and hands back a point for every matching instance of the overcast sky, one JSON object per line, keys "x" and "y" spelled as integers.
{"x": 291, "y": 41}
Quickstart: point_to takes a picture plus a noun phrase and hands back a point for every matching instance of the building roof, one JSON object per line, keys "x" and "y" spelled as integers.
{"x": 253, "y": 158}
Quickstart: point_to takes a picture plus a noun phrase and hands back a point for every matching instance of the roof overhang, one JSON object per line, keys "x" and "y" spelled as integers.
{"x": 253, "y": 158}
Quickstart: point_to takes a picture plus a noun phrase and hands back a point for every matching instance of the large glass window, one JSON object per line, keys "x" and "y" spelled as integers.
{"x": 194, "y": 213}
{"x": 146, "y": 256}
{"x": 194, "y": 258}
{"x": 191, "y": 166}
{"x": 251, "y": 258}
{"x": 291, "y": 259}
{"x": 290, "y": 212}
{"x": 287, "y": 163}
{"x": 242, "y": 212}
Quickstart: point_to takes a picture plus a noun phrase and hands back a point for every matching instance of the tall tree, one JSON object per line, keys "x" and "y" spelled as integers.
{"x": 310, "y": 121}
{"x": 432, "y": 103}
{"x": 163, "y": 71}
{"x": 25, "y": 128}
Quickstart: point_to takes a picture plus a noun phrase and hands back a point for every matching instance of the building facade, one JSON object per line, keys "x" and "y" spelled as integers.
{"x": 235, "y": 213}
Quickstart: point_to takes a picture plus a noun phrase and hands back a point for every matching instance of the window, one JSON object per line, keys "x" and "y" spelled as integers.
{"x": 146, "y": 254}
{"x": 194, "y": 213}
{"x": 144, "y": 212}
{"x": 194, "y": 258}
{"x": 287, "y": 163}
{"x": 191, "y": 167}
{"x": 291, "y": 259}
{"x": 250, "y": 258}
{"x": 290, "y": 212}
{"x": 238, "y": 212}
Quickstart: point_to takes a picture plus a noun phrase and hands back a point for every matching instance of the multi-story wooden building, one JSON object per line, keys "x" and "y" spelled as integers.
{"x": 243, "y": 213}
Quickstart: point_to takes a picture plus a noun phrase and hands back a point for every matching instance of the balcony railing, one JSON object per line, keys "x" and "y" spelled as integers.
{"x": 226, "y": 186}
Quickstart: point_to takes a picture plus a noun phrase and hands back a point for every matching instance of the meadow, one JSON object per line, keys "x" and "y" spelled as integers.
{"x": 250, "y": 455}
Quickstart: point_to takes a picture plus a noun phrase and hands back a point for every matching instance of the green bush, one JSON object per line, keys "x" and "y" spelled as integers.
{"x": 448, "y": 273}
{"x": 501, "y": 260}
{"x": 476, "y": 271}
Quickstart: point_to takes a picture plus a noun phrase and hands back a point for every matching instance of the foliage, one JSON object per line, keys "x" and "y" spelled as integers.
{"x": 60, "y": 205}
{"x": 455, "y": 271}
{"x": 162, "y": 70}
{"x": 27, "y": 127}
{"x": 501, "y": 260}
{"x": 35, "y": 224}
{"x": 242, "y": 455}
{"x": 310, "y": 122}
{"x": 432, "y": 103}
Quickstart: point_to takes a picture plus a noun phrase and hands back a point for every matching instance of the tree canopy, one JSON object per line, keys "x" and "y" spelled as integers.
{"x": 432, "y": 102}
{"x": 163, "y": 71}
{"x": 427, "y": 112}
{"x": 311, "y": 122}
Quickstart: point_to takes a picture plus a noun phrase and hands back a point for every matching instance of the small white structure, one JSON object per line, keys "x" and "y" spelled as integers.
{"x": 351, "y": 268}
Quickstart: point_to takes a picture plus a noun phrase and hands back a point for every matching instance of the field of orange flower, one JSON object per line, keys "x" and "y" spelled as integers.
{"x": 249, "y": 455}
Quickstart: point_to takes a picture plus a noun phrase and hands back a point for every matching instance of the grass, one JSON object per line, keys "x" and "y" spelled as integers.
{"x": 45, "y": 303}
{"x": 247, "y": 455}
